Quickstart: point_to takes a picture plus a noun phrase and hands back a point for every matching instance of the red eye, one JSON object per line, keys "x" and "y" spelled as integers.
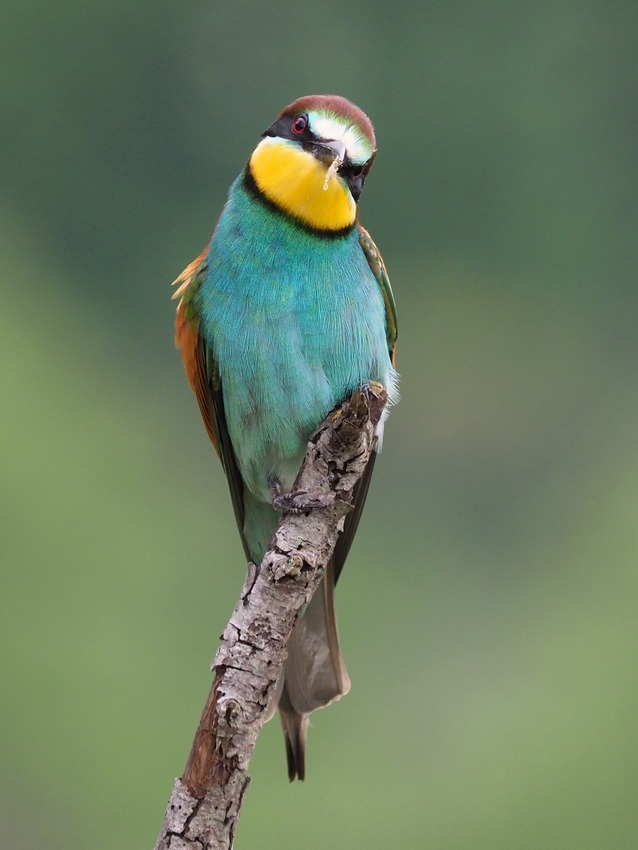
{"x": 299, "y": 124}
{"x": 357, "y": 171}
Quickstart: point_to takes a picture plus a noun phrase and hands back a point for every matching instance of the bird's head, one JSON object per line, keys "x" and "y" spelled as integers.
{"x": 312, "y": 162}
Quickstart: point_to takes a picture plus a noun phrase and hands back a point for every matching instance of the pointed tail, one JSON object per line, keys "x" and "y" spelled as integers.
{"x": 315, "y": 673}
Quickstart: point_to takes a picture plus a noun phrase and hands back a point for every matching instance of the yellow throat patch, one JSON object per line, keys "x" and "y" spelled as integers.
{"x": 294, "y": 180}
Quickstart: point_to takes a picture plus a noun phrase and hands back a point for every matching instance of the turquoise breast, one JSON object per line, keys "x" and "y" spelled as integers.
{"x": 296, "y": 322}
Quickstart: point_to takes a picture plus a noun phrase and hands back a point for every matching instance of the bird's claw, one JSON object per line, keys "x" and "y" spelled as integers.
{"x": 299, "y": 501}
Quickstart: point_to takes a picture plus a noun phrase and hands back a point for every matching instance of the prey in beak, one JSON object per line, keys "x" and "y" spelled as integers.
{"x": 333, "y": 153}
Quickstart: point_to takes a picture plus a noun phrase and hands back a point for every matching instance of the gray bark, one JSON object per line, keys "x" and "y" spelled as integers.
{"x": 206, "y": 802}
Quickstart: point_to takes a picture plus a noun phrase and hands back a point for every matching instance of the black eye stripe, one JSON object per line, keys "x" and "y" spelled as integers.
{"x": 295, "y": 127}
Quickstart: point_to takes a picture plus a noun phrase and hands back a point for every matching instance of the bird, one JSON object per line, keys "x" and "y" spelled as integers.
{"x": 285, "y": 313}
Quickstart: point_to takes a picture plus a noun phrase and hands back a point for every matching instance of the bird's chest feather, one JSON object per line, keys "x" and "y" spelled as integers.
{"x": 295, "y": 322}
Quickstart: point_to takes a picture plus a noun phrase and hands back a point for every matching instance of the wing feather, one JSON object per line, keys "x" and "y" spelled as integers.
{"x": 375, "y": 261}
{"x": 203, "y": 376}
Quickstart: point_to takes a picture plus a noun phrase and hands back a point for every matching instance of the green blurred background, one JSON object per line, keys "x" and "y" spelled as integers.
{"x": 488, "y": 611}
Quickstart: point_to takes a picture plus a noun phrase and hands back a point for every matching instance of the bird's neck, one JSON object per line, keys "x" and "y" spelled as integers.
{"x": 294, "y": 181}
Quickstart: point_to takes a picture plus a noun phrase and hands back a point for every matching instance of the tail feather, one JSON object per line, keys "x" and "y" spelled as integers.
{"x": 315, "y": 673}
{"x": 295, "y": 728}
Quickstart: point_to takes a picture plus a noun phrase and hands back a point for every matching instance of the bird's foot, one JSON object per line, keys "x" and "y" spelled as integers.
{"x": 298, "y": 501}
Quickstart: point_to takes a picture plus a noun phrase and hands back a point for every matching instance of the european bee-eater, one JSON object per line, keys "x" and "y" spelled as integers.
{"x": 284, "y": 314}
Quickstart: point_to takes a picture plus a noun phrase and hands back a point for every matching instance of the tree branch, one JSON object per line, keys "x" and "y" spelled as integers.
{"x": 204, "y": 807}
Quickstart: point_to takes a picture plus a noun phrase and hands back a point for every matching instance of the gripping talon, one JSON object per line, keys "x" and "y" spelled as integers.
{"x": 299, "y": 501}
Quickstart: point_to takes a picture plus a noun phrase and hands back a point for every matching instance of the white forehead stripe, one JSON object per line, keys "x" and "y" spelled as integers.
{"x": 358, "y": 147}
